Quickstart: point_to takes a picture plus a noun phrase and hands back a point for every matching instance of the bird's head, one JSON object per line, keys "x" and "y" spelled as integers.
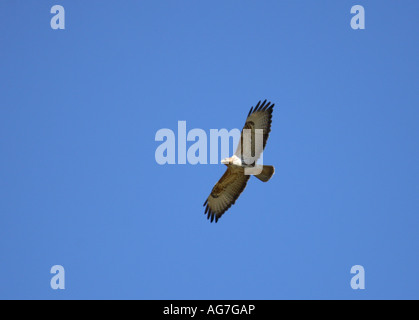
{"x": 226, "y": 161}
{"x": 234, "y": 160}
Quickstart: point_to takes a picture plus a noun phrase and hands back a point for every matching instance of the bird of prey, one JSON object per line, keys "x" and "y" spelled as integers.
{"x": 232, "y": 183}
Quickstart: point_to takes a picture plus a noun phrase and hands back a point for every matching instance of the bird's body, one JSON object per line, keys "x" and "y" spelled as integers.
{"x": 242, "y": 164}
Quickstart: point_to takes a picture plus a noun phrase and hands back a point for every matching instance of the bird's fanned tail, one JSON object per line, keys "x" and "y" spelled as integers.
{"x": 266, "y": 174}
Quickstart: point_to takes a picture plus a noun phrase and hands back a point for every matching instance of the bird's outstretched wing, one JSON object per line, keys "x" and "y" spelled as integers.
{"x": 225, "y": 192}
{"x": 258, "y": 118}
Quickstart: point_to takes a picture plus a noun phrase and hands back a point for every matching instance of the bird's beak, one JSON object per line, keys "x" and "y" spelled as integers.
{"x": 224, "y": 161}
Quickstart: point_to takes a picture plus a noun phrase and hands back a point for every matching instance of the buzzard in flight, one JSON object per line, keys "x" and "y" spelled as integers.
{"x": 232, "y": 183}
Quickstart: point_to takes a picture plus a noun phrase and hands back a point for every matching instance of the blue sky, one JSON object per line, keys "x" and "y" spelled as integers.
{"x": 80, "y": 187}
